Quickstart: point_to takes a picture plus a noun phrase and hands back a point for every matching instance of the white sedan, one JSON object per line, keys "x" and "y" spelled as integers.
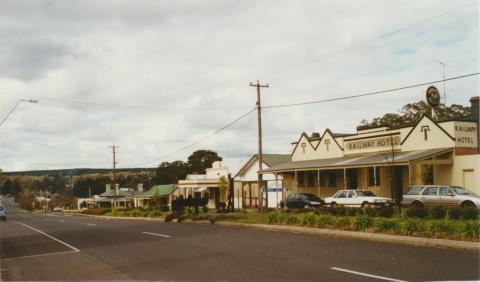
{"x": 356, "y": 198}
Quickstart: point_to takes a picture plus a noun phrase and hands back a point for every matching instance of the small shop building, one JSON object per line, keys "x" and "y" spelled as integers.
{"x": 158, "y": 196}
{"x": 385, "y": 160}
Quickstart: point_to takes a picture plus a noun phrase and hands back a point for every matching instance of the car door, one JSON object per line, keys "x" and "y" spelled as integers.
{"x": 445, "y": 196}
{"x": 351, "y": 199}
{"x": 430, "y": 195}
{"x": 341, "y": 198}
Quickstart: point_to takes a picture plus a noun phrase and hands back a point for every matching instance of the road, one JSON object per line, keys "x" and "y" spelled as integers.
{"x": 58, "y": 247}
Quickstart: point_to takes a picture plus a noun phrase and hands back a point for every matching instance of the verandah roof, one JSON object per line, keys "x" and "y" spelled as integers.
{"x": 158, "y": 191}
{"x": 384, "y": 158}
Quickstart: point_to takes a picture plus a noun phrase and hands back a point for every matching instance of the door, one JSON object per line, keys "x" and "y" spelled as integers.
{"x": 341, "y": 198}
{"x": 468, "y": 180}
{"x": 445, "y": 197}
{"x": 430, "y": 195}
{"x": 352, "y": 178}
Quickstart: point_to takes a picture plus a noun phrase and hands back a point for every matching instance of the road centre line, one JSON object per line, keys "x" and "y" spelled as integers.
{"x": 366, "y": 274}
{"x": 41, "y": 255}
{"x": 49, "y": 236}
{"x": 156, "y": 234}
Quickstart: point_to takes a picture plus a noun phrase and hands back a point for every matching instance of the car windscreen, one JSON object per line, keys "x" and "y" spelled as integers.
{"x": 414, "y": 191}
{"x": 460, "y": 190}
{"x": 1, "y": 208}
{"x": 365, "y": 194}
{"x": 311, "y": 197}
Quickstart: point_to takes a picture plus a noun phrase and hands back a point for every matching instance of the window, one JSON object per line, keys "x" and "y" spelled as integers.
{"x": 460, "y": 191}
{"x": 443, "y": 191}
{"x": 323, "y": 179}
{"x": 432, "y": 191}
{"x": 300, "y": 179}
{"x": 342, "y": 194}
{"x": 372, "y": 176}
{"x": 332, "y": 179}
{"x": 365, "y": 194}
{"x": 351, "y": 194}
{"x": 414, "y": 190}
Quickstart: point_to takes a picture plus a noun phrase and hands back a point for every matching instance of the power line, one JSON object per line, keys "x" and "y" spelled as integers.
{"x": 368, "y": 93}
{"x": 196, "y": 142}
{"x": 334, "y": 53}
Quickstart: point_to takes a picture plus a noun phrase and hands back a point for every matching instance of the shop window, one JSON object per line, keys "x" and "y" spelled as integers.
{"x": 300, "y": 179}
{"x": 371, "y": 176}
{"x": 323, "y": 179}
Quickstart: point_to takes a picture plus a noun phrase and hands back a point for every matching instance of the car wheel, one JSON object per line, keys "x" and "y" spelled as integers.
{"x": 417, "y": 205}
{"x": 333, "y": 205}
{"x": 468, "y": 204}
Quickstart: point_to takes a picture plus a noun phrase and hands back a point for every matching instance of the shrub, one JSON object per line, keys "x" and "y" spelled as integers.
{"x": 119, "y": 209}
{"x": 384, "y": 225}
{"x": 386, "y": 211}
{"x": 170, "y": 217}
{"x": 369, "y": 211}
{"x": 154, "y": 213}
{"x": 273, "y": 217}
{"x": 454, "y": 213}
{"x": 412, "y": 212}
{"x": 351, "y": 211}
{"x": 362, "y": 222}
{"x": 343, "y": 222}
{"x": 164, "y": 208}
{"x": 410, "y": 226}
{"x": 441, "y": 227}
{"x": 470, "y": 230}
{"x": 290, "y": 219}
{"x": 96, "y": 211}
{"x": 437, "y": 212}
{"x": 308, "y": 219}
{"x": 338, "y": 211}
{"x": 323, "y": 210}
{"x": 325, "y": 220}
{"x": 470, "y": 213}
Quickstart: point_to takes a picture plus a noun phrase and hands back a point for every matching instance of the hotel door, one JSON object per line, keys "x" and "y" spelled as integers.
{"x": 352, "y": 178}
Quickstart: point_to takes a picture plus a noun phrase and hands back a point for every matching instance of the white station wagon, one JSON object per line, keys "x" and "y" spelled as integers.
{"x": 356, "y": 198}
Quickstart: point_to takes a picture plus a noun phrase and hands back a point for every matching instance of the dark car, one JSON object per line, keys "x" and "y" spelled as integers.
{"x": 301, "y": 200}
{"x": 3, "y": 213}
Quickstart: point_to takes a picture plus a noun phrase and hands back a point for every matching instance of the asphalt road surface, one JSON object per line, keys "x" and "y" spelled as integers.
{"x": 58, "y": 247}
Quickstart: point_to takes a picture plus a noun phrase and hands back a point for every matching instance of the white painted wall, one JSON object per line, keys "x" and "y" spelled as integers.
{"x": 464, "y": 164}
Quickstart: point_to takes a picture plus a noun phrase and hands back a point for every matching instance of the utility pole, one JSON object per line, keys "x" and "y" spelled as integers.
{"x": 260, "y": 154}
{"x": 444, "y": 88}
{"x": 114, "y": 176}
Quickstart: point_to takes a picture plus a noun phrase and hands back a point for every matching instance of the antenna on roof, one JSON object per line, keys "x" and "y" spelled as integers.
{"x": 444, "y": 88}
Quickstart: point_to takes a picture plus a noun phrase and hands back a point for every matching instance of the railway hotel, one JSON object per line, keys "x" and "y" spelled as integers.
{"x": 384, "y": 160}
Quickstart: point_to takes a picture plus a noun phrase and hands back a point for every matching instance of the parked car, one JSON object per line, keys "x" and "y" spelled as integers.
{"x": 301, "y": 200}
{"x": 356, "y": 198}
{"x": 57, "y": 209}
{"x": 3, "y": 213}
{"x": 441, "y": 195}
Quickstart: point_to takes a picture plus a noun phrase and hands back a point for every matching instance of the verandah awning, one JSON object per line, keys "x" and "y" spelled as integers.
{"x": 384, "y": 158}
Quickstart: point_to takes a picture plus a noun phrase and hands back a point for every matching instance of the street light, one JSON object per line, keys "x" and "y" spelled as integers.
{"x": 16, "y": 105}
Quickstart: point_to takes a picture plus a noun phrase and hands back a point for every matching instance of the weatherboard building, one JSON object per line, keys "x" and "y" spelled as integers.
{"x": 385, "y": 160}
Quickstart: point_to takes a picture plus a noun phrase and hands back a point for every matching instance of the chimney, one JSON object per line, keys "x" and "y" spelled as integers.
{"x": 107, "y": 187}
{"x": 475, "y": 117}
{"x": 117, "y": 188}
{"x": 315, "y": 135}
{"x": 140, "y": 187}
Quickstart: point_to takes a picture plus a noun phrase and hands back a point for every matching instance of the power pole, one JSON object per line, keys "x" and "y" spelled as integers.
{"x": 444, "y": 88}
{"x": 260, "y": 154}
{"x": 114, "y": 176}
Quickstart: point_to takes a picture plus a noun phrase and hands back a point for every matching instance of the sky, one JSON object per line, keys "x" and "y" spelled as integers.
{"x": 155, "y": 77}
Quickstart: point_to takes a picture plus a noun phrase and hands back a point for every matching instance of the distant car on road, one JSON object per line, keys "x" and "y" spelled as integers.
{"x": 356, "y": 198}
{"x": 301, "y": 200}
{"x": 439, "y": 195}
{"x": 57, "y": 209}
{"x": 3, "y": 213}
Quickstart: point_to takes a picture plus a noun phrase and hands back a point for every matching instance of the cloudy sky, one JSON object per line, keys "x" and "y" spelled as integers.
{"x": 153, "y": 77}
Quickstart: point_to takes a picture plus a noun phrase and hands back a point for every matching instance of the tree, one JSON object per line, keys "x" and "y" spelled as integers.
{"x": 201, "y": 160}
{"x": 410, "y": 113}
{"x": 222, "y": 186}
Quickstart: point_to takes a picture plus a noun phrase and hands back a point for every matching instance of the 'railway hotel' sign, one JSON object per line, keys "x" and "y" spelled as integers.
{"x": 385, "y": 142}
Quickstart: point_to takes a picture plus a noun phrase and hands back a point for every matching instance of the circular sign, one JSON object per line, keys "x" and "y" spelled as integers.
{"x": 433, "y": 96}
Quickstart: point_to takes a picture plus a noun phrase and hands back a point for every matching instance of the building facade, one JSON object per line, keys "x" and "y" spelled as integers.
{"x": 385, "y": 160}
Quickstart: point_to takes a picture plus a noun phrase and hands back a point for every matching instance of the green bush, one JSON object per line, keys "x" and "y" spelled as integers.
{"x": 412, "y": 212}
{"x": 385, "y": 225}
{"x": 470, "y": 213}
{"x": 410, "y": 226}
{"x": 308, "y": 219}
{"x": 351, "y": 211}
{"x": 118, "y": 209}
{"x": 323, "y": 210}
{"x": 273, "y": 217}
{"x": 325, "y": 220}
{"x": 164, "y": 208}
{"x": 386, "y": 211}
{"x": 96, "y": 211}
{"x": 343, "y": 222}
{"x": 470, "y": 230}
{"x": 338, "y": 211}
{"x": 369, "y": 211}
{"x": 454, "y": 213}
{"x": 362, "y": 222}
{"x": 290, "y": 219}
{"x": 437, "y": 212}
{"x": 436, "y": 228}
{"x": 154, "y": 214}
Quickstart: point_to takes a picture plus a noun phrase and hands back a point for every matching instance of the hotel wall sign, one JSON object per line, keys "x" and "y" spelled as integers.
{"x": 384, "y": 142}
{"x": 433, "y": 96}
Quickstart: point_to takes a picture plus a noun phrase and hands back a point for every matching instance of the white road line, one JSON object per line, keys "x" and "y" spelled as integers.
{"x": 49, "y": 236}
{"x": 41, "y": 255}
{"x": 156, "y": 234}
{"x": 366, "y": 274}
{"x": 91, "y": 224}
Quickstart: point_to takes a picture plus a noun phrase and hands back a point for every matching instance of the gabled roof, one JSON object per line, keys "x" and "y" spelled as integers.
{"x": 268, "y": 159}
{"x": 333, "y": 137}
{"x": 158, "y": 191}
{"x": 433, "y": 121}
